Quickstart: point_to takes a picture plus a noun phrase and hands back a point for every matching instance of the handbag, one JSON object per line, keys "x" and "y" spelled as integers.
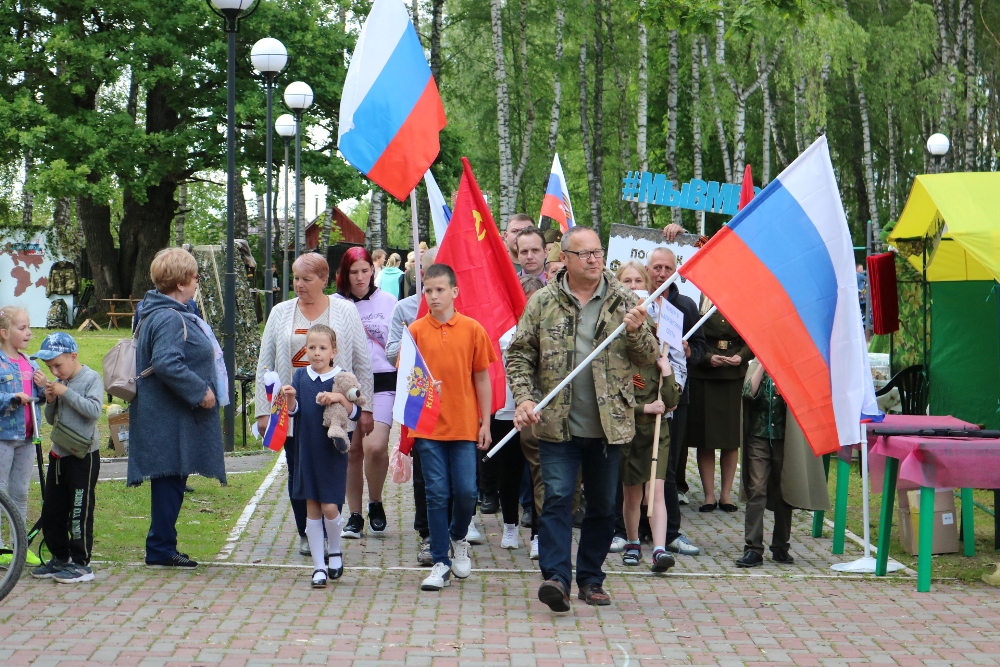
{"x": 69, "y": 440}
{"x": 119, "y": 366}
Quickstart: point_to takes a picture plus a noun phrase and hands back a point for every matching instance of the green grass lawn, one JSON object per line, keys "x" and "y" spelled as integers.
{"x": 121, "y": 516}
{"x": 93, "y": 346}
{"x": 945, "y": 565}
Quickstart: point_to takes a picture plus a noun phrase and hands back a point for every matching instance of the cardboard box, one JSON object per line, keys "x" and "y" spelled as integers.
{"x": 119, "y": 433}
{"x": 945, "y": 521}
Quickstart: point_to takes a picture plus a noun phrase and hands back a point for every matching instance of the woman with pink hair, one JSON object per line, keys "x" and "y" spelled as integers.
{"x": 369, "y": 455}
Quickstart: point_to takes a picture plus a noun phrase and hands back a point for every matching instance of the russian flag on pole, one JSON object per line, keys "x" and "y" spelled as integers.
{"x": 390, "y": 109}
{"x": 556, "y": 204}
{"x": 277, "y": 423}
{"x": 417, "y": 405}
{"x": 440, "y": 212}
{"x": 783, "y": 273}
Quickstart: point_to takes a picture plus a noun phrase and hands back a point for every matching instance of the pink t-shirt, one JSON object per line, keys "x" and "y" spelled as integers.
{"x": 26, "y": 373}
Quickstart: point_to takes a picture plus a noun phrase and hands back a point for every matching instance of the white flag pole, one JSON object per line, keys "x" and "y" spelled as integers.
{"x": 576, "y": 371}
{"x": 697, "y": 325}
{"x": 416, "y": 244}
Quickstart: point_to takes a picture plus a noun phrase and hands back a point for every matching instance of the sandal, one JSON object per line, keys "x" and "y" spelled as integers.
{"x": 319, "y": 579}
{"x": 708, "y": 507}
{"x": 632, "y": 555}
{"x": 728, "y": 507}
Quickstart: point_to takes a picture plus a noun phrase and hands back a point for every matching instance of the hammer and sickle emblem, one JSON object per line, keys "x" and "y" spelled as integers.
{"x": 480, "y": 231}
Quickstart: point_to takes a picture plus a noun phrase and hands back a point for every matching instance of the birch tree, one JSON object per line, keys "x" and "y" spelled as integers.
{"x": 556, "y": 83}
{"x": 671, "y": 147}
{"x": 642, "y": 104}
{"x": 696, "y": 116}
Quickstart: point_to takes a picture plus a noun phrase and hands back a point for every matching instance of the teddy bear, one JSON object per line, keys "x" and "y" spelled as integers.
{"x": 335, "y": 416}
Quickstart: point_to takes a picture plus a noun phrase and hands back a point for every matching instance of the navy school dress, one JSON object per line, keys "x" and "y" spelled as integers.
{"x": 320, "y": 470}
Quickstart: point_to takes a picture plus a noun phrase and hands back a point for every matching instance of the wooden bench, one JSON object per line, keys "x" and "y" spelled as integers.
{"x": 114, "y": 314}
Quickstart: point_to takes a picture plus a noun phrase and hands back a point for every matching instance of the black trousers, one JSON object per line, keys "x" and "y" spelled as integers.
{"x": 166, "y": 494}
{"x": 68, "y": 510}
{"x": 298, "y": 505}
{"x": 507, "y": 468}
{"x": 675, "y": 474}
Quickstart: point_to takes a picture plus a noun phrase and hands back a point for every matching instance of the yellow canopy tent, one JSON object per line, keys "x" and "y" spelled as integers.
{"x": 956, "y": 219}
{"x": 950, "y": 233}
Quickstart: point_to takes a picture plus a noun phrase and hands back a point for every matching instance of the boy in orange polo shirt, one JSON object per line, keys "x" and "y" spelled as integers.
{"x": 458, "y": 354}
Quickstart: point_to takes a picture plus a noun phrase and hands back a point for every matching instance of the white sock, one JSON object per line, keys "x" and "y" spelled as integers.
{"x": 333, "y": 535}
{"x": 659, "y": 548}
{"x": 314, "y": 533}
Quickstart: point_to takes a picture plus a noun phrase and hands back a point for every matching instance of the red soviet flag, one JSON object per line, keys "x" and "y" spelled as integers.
{"x": 489, "y": 290}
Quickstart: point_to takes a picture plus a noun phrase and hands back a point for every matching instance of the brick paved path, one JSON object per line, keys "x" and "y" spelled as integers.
{"x": 255, "y": 607}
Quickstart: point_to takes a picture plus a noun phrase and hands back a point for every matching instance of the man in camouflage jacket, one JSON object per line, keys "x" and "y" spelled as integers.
{"x": 583, "y": 426}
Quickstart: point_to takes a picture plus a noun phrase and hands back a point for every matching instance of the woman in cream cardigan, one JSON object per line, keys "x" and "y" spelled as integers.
{"x": 282, "y": 349}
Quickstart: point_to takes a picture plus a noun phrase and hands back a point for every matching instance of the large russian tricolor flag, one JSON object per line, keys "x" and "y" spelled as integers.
{"x": 783, "y": 273}
{"x": 556, "y": 204}
{"x": 390, "y": 109}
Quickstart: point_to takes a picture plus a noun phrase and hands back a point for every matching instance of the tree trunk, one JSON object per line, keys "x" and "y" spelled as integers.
{"x": 624, "y": 142}
{"x": 800, "y": 112}
{"x": 867, "y": 156}
{"x": 719, "y": 127}
{"x": 437, "y": 19}
{"x": 423, "y": 215}
{"x": 891, "y": 185}
{"x": 588, "y": 157}
{"x": 27, "y": 196}
{"x": 415, "y": 15}
{"x": 376, "y": 236}
{"x": 507, "y": 189}
{"x": 598, "y": 148}
{"x": 180, "y": 217}
{"x": 765, "y": 88}
{"x": 640, "y": 134}
{"x": 95, "y": 219}
{"x": 144, "y": 231}
{"x": 696, "y": 116}
{"x": 970, "y": 88}
{"x": 241, "y": 222}
{"x": 556, "y": 83}
{"x": 671, "y": 147}
{"x": 529, "y": 126}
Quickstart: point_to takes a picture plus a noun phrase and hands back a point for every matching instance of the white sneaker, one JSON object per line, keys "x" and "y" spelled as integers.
{"x": 439, "y": 577}
{"x": 682, "y": 498}
{"x": 473, "y": 536}
{"x": 534, "y": 548}
{"x": 510, "y": 539}
{"x": 618, "y": 545}
{"x": 683, "y": 546}
{"x": 461, "y": 564}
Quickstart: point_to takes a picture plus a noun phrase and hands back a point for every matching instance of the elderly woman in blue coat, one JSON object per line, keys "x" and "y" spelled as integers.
{"x": 175, "y": 428}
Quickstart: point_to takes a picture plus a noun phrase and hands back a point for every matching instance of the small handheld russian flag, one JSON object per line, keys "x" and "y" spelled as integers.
{"x": 277, "y": 423}
{"x": 390, "y": 108}
{"x": 556, "y": 204}
{"x": 417, "y": 405}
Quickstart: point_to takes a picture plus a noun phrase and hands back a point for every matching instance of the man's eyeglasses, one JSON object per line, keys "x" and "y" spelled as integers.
{"x": 587, "y": 254}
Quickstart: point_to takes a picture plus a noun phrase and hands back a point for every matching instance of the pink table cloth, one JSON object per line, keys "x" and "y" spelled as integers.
{"x": 934, "y": 462}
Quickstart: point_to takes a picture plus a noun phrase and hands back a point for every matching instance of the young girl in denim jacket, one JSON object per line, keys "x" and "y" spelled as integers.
{"x": 20, "y": 379}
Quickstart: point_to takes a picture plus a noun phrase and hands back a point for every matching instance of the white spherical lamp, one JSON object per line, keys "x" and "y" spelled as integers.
{"x": 231, "y": 5}
{"x": 285, "y": 126}
{"x": 298, "y": 96}
{"x": 938, "y": 144}
{"x": 268, "y": 56}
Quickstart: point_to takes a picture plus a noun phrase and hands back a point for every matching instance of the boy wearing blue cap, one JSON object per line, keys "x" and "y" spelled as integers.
{"x": 73, "y": 404}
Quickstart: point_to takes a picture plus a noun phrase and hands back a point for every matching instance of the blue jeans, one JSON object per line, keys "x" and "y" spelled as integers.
{"x": 165, "y": 497}
{"x": 449, "y": 469}
{"x": 560, "y": 462}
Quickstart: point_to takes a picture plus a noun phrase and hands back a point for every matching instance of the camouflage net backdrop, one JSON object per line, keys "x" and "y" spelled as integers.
{"x": 212, "y": 267}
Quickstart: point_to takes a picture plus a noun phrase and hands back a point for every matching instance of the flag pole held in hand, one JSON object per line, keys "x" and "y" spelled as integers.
{"x": 583, "y": 364}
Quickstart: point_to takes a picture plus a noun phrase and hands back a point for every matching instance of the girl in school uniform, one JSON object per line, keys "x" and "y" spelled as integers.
{"x": 320, "y": 474}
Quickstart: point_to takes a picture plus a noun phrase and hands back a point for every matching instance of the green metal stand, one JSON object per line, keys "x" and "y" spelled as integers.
{"x": 885, "y": 519}
{"x": 926, "y": 540}
{"x": 968, "y": 523}
{"x": 819, "y": 515}
{"x": 840, "y": 507}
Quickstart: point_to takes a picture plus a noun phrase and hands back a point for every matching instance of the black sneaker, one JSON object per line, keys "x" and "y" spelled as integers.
{"x": 177, "y": 560}
{"x": 376, "y": 517}
{"x": 354, "y": 528}
{"x": 750, "y": 559}
{"x": 490, "y": 504}
{"x": 782, "y": 557}
{"x": 527, "y": 516}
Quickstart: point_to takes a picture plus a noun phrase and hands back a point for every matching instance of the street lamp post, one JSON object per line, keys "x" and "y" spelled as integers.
{"x": 285, "y": 127}
{"x": 938, "y": 145}
{"x": 298, "y": 98}
{"x": 269, "y": 57}
{"x": 233, "y": 11}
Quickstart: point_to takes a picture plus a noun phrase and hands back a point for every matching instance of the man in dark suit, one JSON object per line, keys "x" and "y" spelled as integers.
{"x": 661, "y": 265}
